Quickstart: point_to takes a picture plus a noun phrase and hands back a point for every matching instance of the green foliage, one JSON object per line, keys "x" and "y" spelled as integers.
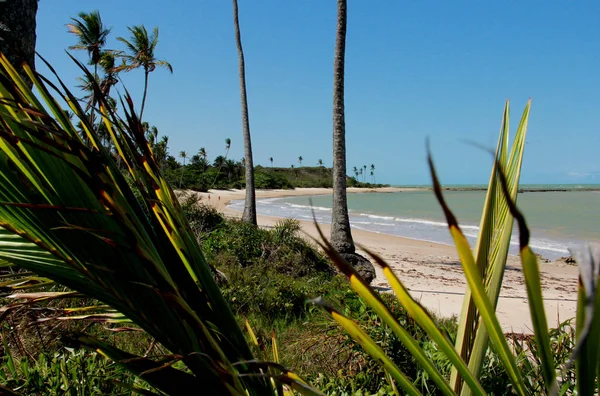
{"x": 265, "y": 180}
{"x": 201, "y": 218}
{"x": 280, "y": 249}
{"x": 66, "y": 372}
{"x": 69, "y": 215}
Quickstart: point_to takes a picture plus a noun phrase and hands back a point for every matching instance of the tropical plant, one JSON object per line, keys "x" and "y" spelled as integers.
{"x": 373, "y": 172}
{"x": 249, "y": 213}
{"x": 202, "y": 153}
{"x": 91, "y": 36}
{"x": 220, "y": 160}
{"x": 300, "y": 160}
{"x": 483, "y": 270}
{"x": 271, "y": 160}
{"x": 140, "y": 54}
{"x": 68, "y": 214}
{"x": 107, "y": 63}
{"x": 320, "y": 162}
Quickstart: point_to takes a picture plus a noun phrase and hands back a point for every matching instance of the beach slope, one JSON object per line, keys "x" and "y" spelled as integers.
{"x": 431, "y": 271}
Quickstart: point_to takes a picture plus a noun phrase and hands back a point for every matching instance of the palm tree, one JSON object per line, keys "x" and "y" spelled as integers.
{"x": 300, "y": 160}
{"x": 107, "y": 63}
{"x": 183, "y": 155}
{"x": 222, "y": 162}
{"x": 161, "y": 151}
{"x": 373, "y": 173}
{"x": 341, "y": 234}
{"x": 249, "y": 214}
{"x": 320, "y": 162}
{"x": 227, "y": 146}
{"x": 271, "y": 159}
{"x": 355, "y": 170}
{"x": 17, "y": 33}
{"x": 365, "y": 172}
{"x": 360, "y": 172}
{"x": 202, "y": 152}
{"x": 141, "y": 54}
{"x": 91, "y": 36}
{"x": 203, "y": 155}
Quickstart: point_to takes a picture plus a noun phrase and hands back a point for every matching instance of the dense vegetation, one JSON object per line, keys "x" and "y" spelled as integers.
{"x": 267, "y": 276}
{"x": 198, "y": 175}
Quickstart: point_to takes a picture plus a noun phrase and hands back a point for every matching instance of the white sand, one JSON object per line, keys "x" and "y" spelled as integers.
{"x": 431, "y": 271}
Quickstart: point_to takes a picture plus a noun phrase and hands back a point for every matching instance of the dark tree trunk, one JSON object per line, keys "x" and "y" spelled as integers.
{"x": 17, "y": 32}
{"x": 341, "y": 236}
{"x": 249, "y": 214}
{"x": 146, "y": 72}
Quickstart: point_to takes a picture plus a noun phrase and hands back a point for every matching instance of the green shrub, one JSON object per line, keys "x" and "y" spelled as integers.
{"x": 202, "y": 218}
{"x": 279, "y": 249}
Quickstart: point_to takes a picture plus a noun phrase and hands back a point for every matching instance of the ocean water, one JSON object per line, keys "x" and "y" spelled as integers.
{"x": 558, "y": 220}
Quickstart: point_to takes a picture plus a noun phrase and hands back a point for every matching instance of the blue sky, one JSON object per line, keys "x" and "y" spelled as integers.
{"x": 414, "y": 68}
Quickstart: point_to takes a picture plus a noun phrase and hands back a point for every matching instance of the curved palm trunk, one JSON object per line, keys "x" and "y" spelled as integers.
{"x": 146, "y": 72}
{"x": 17, "y": 32}
{"x": 249, "y": 214}
{"x": 341, "y": 236}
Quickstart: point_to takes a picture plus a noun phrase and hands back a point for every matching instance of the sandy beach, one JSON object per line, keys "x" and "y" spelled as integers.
{"x": 432, "y": 271}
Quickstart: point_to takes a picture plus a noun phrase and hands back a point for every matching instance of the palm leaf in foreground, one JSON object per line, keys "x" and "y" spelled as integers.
{"x": 531, "y": 273}
{"x": 476, "y": 285}
{"x": 493, "y": 243}
{"x": 484, "y": 273}
{"x": 68, "y": 214}
{"x": 587, "y": 350}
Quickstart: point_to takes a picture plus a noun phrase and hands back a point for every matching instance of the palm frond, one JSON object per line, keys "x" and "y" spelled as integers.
{"x": 79, "y": 224}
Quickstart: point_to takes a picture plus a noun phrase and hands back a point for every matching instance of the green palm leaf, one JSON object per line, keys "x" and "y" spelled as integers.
{"x": 476, "y": 285}
{"x": 68, "y": 214}
{"x": 493, "y": 243}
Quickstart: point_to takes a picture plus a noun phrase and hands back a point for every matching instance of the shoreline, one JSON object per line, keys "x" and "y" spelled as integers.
{"x": 430, "y": 270}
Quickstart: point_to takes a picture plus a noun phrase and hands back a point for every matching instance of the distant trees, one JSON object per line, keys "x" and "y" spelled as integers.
{"x": 373, "y": 173}
{"x": 221, "y": 160}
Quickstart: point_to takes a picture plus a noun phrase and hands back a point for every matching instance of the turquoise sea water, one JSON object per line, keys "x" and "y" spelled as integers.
{"x": 558, "y": 219}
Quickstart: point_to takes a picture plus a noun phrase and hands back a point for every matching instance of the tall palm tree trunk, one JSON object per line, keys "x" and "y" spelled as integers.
{"x": 17, "y": 32}
{"x": 249, "y": 214}
{"x": 341, "y": 236}
{"x": 146, "y": 72}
